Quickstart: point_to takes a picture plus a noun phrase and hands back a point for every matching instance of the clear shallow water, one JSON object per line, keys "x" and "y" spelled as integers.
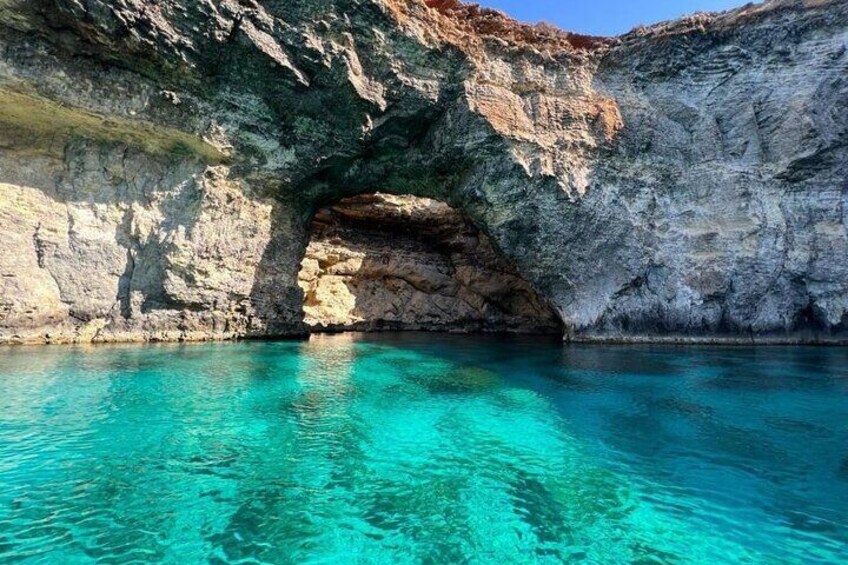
{"x": 423, "y": 449}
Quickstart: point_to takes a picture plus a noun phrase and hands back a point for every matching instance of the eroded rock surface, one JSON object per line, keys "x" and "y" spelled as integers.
{"x": 382, "y": 262}
{"x": 160, "y": 162}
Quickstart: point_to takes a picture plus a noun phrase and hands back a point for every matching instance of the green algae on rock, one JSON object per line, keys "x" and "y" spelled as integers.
{"x": 30, "y": 122}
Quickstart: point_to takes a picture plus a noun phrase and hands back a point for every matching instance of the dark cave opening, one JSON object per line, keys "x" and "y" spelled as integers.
{"x": 381, "y": 262}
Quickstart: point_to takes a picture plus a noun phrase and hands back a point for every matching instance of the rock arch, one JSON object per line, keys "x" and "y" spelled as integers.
{"x": 382, "y": 262}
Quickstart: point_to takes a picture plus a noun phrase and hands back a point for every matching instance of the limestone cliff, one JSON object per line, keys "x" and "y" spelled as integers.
{"x": 161, "y": 162}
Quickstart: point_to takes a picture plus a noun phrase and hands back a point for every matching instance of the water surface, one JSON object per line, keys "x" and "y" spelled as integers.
{"x": 423, "y": 449}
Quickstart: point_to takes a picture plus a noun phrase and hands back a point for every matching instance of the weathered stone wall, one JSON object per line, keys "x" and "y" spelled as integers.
{"x": 160, "y": 162}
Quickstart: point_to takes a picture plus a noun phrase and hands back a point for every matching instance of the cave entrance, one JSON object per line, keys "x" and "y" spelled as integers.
{"x": 380, "y": 262}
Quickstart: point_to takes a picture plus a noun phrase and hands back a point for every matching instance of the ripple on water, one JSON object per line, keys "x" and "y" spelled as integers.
{"x": 422, "y": 449}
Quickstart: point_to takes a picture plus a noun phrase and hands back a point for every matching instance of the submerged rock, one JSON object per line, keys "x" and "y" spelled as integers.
{"x": 161, "y": 162}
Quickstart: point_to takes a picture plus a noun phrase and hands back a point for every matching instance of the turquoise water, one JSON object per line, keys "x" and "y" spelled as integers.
{"x": 423, "y": 449}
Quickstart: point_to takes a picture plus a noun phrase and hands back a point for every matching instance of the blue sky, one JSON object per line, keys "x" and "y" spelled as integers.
{"x": 605, "y": 17}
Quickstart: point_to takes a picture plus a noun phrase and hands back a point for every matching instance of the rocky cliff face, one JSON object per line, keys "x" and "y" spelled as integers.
{"x": 381, "y": 262}
{"x": 161, "y": 162}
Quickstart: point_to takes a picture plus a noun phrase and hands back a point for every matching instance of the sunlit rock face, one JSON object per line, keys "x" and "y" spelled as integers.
{"x": 161, "y": 162}
{"x": 382, "y": 262}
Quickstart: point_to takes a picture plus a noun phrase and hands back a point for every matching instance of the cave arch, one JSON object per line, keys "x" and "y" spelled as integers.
{"x": 378, "y": 262}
